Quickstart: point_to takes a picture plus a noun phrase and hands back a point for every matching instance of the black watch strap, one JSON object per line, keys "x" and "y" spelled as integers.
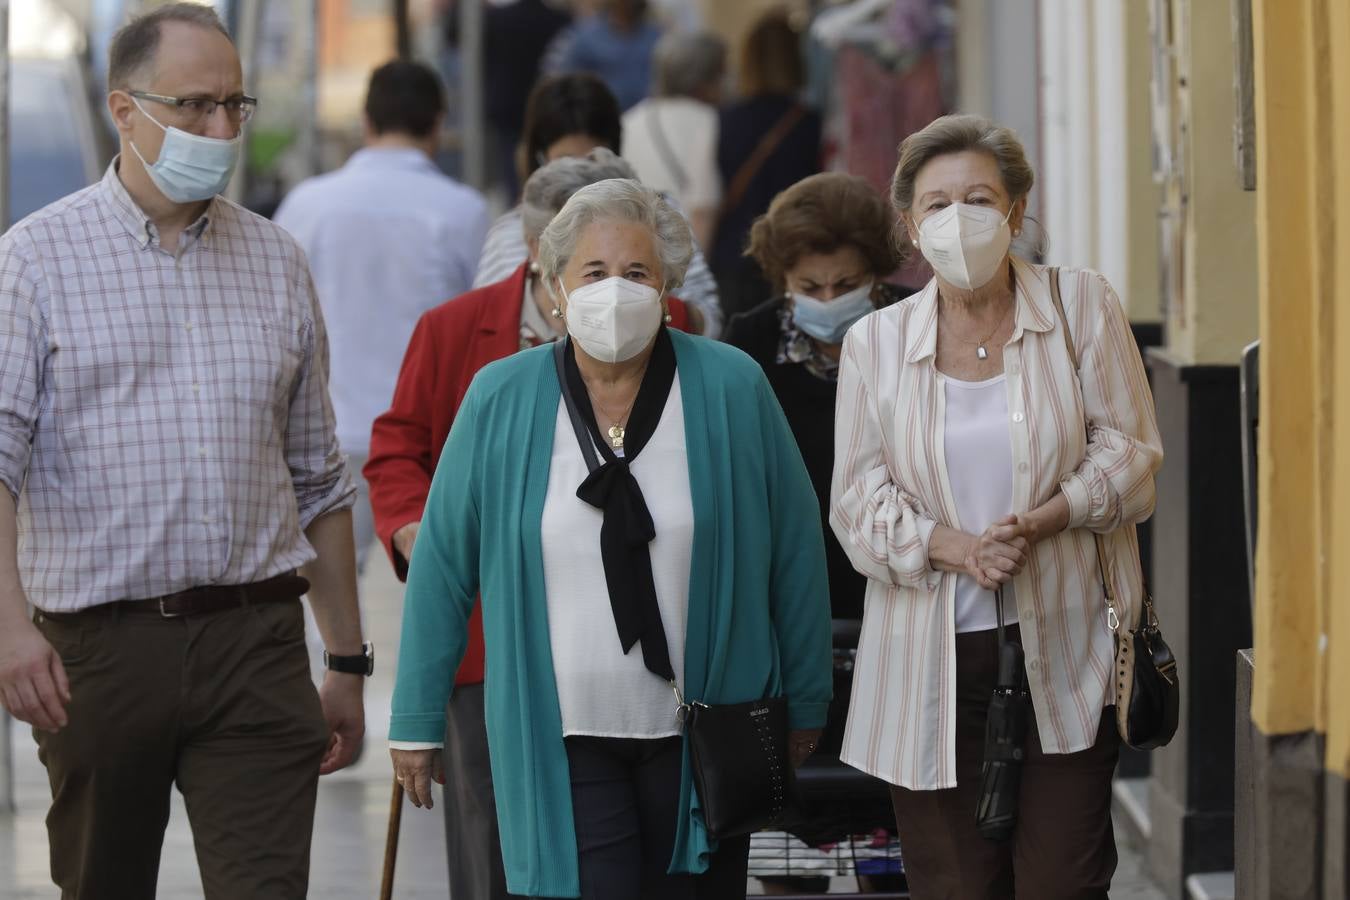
{"x": 352, "y": 665}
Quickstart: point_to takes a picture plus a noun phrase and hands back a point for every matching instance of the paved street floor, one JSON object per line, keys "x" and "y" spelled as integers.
{"x": 353, "y": 807}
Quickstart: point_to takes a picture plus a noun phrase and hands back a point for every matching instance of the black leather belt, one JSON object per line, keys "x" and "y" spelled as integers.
{"x": 209, "y": 599}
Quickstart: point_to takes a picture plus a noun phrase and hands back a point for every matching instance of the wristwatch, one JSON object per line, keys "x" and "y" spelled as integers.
{"x": 352, "y": 665}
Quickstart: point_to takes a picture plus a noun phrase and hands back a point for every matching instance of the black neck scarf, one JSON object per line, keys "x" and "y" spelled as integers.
{"x": 627, "y": 530}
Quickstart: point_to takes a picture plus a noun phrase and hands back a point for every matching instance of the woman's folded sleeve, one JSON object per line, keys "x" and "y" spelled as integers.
{"x": 442, "y": 586}
{"x": 881, "y": 527}
{"x": 1114, "y": 485}
{"x": 799, "y": 589}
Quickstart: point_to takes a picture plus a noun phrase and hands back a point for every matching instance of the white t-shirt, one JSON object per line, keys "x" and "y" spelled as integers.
{"x": 980, "y": 469}
{"x": 686, "y": 165}
{"x": 603, "y": 692}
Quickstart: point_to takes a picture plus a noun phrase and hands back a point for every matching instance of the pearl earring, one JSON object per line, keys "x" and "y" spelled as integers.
{"x": 557, "y": 312}
{"x": 915, "y": 243}
{"x": 534, "y": 268}
{"x": 668, "y": 318}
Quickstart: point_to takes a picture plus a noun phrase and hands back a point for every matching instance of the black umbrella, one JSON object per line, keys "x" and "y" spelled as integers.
{"x": 1005, "y": 733}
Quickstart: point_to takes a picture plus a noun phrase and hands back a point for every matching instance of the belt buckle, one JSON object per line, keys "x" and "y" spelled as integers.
{"x": 164, "y": 613}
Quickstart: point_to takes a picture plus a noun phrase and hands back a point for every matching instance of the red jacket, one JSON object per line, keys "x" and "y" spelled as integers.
{"x": 448, "y": 347}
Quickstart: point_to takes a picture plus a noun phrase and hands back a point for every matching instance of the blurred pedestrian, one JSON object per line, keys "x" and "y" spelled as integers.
{"x": 724, "y": 587}
{"x": 826, "y": 246}
{"x": 571, "y": 115}
{"x": 515, "y": 35}
{"x": 449, "y": 346}
{"x": 615, "y": 43}
{"x": 169, "y": 462}
{"x": 388, "y": 236}
{"x": 767, "y": 141}
{"x": 671, "y": 137}
{"x": 974, "y": 455}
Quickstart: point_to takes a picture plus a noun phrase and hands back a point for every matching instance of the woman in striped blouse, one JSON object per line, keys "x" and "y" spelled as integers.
{"x": 962, "y": 465}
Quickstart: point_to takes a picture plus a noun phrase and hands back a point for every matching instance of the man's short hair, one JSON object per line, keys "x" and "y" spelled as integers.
{"x": 404, "y": 98}
{"x": 135, "y": 43}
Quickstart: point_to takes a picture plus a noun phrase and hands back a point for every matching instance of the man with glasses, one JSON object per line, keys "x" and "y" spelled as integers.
{"x": 173, "y": 486}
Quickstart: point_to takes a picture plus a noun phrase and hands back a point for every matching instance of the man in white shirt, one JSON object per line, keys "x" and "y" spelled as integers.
{"x": 389, "y": 236}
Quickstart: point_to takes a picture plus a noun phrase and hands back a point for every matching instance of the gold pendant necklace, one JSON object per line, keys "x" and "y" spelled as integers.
{"x": 616, "y": 430}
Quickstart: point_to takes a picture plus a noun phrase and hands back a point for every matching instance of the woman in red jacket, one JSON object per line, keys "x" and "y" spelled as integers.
{"x": 448, "y": 347}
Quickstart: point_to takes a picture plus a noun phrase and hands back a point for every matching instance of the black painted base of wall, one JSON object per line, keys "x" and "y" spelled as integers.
{"x": 1336, "y": 838}
{"x": 1292, "y": 840}
{"x": 1200, "y": 590}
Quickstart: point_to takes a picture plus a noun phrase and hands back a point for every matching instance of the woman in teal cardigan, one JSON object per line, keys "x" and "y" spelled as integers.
{"x": 688, "y": 529}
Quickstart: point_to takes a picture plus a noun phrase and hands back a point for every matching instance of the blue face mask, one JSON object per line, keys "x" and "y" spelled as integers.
{"x": 190, "y": 167}
{"x": 828, "y": 320}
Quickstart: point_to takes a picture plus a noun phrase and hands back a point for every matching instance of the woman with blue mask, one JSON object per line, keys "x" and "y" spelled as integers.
{"x": 825, "y": 246}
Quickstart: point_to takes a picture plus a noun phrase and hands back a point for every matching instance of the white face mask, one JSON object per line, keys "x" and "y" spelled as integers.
{"x": 613, "y": 319}
{"x": 190, "y": 167}
{"x": 965, "y": 244}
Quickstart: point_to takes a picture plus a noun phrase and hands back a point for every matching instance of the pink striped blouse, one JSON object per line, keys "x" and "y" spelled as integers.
{"x": 891, "y": 485}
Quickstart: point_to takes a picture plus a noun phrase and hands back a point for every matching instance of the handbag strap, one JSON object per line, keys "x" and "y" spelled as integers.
{"x": 1112, "y": 617}
{"x": 740, "y": 182}
{"x": 578, "y": 424}
{"x": 664, "y": 149}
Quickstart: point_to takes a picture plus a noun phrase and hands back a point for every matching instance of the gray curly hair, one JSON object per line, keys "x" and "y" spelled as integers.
{"x": 551, "y": 186}
{"x": 626, "y": 200}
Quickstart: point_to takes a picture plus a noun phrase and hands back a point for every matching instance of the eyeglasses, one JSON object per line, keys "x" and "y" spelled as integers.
{"x": 195, "y": 110}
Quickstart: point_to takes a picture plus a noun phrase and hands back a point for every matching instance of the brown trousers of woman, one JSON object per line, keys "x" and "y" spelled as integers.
{"x": 1063, "y": 847}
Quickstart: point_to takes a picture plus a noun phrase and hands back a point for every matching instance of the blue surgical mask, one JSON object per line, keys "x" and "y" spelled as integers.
{"x": 829, "y": 320}
{"x": 190, "y": 167}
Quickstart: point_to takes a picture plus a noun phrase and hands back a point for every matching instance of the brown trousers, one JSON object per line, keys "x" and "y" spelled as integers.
{"x": 1063, "y": 847}
{"x": 220, "y": 704}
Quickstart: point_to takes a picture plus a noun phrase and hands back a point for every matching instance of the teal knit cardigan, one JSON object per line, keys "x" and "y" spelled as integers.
{"x": 758, "y": 619}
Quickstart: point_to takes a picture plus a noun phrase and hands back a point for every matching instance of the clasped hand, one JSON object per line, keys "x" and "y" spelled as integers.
{"x": 1000, "y": 552}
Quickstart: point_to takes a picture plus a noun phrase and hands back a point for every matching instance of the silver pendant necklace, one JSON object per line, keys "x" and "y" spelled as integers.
{"x": 980, "y": 352}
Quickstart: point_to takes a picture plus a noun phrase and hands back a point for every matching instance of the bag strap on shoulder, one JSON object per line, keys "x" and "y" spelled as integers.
{"x": 578, "y": 424}
{"x": 663, "y": 148}
{"x": 740, "y": 182}
{"x": 1112, "y": 617}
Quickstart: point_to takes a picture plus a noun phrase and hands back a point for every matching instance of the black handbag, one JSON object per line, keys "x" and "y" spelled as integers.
{"x": 1005, "y": 734}
{"x": 1147, "y": 683}
{"x": 742, "y": 773}
{"x": 1148, "y": 692}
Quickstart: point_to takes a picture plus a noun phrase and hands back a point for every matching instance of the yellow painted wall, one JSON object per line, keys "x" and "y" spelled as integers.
{"x": 1337, "y": 545}
{"x": 1302, "y": 627}
{"x": 1217, "y": 313}
{"x": 1143, "y": 194}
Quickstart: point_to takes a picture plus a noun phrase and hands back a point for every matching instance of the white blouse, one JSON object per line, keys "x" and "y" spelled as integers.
{"x": 891, "y": 484}
{"x": 979, "y": 462}
{"x": 601, "y": 691}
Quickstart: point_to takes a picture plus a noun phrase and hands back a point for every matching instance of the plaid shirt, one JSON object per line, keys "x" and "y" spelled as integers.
{"x": 164, "y": 418}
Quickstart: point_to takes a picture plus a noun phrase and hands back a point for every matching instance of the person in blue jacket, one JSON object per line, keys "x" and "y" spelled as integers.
{"x": 682, "y": 550}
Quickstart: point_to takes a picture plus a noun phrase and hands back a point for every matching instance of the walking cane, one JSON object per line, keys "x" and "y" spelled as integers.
{"x": 391, "y": 842}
